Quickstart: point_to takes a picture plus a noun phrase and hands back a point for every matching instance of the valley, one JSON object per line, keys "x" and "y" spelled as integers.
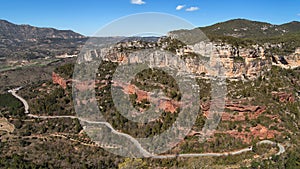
{"x": 258, "y": 128}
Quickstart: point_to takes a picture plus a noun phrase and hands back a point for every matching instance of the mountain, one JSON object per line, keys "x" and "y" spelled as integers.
{"x": 291, "y": 27}
{"x": 26, "y": 32}
{"x": 242, "y": 28}
{"x": 29, "y": 42}
{"x": 285, "y": 38}
{"x": 257, "y": 117}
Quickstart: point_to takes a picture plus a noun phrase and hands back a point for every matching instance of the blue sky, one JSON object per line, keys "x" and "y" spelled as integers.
{"x": 86, "y": 17}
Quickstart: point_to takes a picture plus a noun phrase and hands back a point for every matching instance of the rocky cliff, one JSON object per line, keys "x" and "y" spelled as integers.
{"x": 238, "y": 63}
{"x": 291, "y": 61}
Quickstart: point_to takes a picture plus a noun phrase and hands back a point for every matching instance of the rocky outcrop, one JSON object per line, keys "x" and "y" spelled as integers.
{"x": 261, "y": 132}
{"x": 238, "y": 62}
{"x": 242, "y": 116}
{"x": 6, "y": 126}
{"x": 246, "y": 135}
{"x": 197, "y": 59}
{"x": 164, "y": 104}
{"x": 241, "y": 108}
{"x": 284, "y": 97}
{"x": 57, "y": 79}
{"x": 236, "y": 112}
{"x": 288, "y": 62}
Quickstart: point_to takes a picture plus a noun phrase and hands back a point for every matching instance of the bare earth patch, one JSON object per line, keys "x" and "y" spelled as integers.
{"x": 6, "y": 126}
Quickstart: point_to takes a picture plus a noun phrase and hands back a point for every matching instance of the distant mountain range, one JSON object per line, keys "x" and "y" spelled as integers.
{"x": 26, "y": 32}
{"x": 29, "y": 42}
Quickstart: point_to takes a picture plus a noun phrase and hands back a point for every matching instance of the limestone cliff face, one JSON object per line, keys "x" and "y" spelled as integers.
{"x": 288, "y": 62}
{"x": 238, "y": 62}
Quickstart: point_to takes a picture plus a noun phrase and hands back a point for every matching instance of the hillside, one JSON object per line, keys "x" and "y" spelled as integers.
{"x": 28, "y": 42}
{"x": 242, "y": 28}
{"x": 40, "y": 127}
{"x": 246, "y": 33}
{"x": 28, "y": 33}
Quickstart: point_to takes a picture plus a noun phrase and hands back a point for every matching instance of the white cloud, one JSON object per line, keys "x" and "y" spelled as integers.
{"x": 179, "y": 7}
{"x": 138, "y": 2}
{"x": 193, "y": 8}
{"x": 298, "y": 14}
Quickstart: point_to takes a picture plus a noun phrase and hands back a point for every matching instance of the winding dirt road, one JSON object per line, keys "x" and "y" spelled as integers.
{"x": 136, "y": 143}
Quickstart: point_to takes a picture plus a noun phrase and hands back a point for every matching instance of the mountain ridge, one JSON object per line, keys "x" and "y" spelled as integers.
{"x": 22, "y": 32}
{"x": 25, "y": 41}
{"x": 29, "y": 42}
{"x": 244, "y": 28}
{"x": 225, "y": 28}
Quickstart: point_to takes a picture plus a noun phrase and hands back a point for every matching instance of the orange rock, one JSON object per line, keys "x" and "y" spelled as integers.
{"x": 168, "y": 106}
{"x": 163, "y": 104}
{"x": 59, "y": 80}
{"x": 242, "y": 111}
{"x": 284, "y": 97}
{"x": 259, "y": 131}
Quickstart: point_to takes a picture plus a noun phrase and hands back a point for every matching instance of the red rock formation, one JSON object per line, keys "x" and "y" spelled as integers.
{"x": 242, "y": 111}
{"x": 241, "y": 108}
{"x": 81, "y": 86}
{"x": 260, "y": 132}
{"x": 59, "y": 80}
{"x": 141, "y": 95}
{"x": 163, "y": 104}
{"x": 168, "y": 106}
{"x": 128, "y": 89}
{"x": 284, "y": 97}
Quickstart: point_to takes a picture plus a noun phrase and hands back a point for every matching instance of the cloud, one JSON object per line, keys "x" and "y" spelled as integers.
{"x": 193, "y": 8}
{"x": 298, "y": 14}
{"x": 138, "y": 2}
{"x": 179, "y": 7}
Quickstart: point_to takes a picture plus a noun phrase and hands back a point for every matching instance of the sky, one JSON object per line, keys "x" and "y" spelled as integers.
{"x": 88, "y": 16}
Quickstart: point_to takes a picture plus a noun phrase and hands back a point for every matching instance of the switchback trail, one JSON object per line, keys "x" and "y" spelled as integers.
{"x": 137, "y": 144}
